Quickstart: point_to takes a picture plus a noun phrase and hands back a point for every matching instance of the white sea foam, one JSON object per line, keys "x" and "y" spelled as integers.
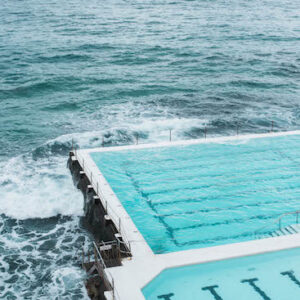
{"x": 154, "y": 130}
{"x": 37, "y": 189}
{"x": 65, "y": 280}
{"x": 41, "y": 263}
{"x": 38, "y": 184}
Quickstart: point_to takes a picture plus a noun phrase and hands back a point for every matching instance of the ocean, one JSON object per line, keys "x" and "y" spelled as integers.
{"x": 108, "y": 72}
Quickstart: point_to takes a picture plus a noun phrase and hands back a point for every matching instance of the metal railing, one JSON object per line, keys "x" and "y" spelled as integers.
{"x": 279, "y": 221}
{"x": 108, "y": 209}
{"x": 237, "y": 129}
{"x": 137, "y": 137}
{"x": 101, "y": 266}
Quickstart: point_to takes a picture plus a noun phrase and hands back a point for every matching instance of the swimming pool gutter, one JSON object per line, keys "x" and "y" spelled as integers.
{"x": 144, "y": 265}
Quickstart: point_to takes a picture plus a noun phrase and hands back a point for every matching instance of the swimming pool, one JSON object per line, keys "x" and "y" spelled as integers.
{"x": 272, "y": 276}
{"x": 191, "y": 196}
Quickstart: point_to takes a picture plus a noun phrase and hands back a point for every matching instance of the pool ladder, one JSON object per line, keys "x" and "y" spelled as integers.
{"x": 281, "y": 231}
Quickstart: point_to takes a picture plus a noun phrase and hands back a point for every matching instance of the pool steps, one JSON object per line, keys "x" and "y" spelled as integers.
{"x": 291, "y": 229}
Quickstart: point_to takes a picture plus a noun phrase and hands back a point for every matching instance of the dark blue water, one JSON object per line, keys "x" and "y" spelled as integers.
{"x": 109, "y": 70}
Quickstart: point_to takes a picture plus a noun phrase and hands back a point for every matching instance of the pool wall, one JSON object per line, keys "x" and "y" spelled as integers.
{"x": 138, "y": 271}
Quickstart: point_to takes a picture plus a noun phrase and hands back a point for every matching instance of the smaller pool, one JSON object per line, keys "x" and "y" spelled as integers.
{"x": 272, "y": 276}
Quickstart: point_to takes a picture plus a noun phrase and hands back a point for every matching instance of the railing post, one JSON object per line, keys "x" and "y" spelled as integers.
{"x": 113, "y": 289}
{"x": 137, "y": 138}
{"x": 95, "y": 254}
{"x": 272, "y": 128}
{"x": 170, "y": 135}
{"x": 205, "y": 132}
{"x": 102, "y": 141}
{"x": 106, "y": 206}
{"x": 237, "y": 129}
{"x": 279, "y": 224}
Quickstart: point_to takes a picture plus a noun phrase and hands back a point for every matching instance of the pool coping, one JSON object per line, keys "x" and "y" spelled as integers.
{"x": 138, "y": 271}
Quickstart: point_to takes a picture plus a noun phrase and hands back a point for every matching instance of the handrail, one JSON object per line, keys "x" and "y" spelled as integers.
{"x": 99, "y": 255}
{"x": 278, "y": 220}
{"x": 109, "y": 282}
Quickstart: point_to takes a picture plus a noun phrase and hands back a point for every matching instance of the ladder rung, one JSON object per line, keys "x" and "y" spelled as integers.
{"x": 105, "y": 247}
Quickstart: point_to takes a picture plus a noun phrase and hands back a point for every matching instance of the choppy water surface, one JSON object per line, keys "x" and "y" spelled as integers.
{"x": 114, "y": 69}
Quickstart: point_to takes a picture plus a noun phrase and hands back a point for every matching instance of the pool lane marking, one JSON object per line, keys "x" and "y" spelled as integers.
{"x": 238, "y": 185}
{"x": 213, "y": 209}
{"x": 166, "y": 296}
{"x": 212, "y": 290}
{"x": 251, "y": 282}
{"x": 215, "y": 198}
{"x": 291, "y": 275}
{"x": 229, "y": 221}
{"x": 184, "y": 159}
{"x": 170, "y": 230}
{"x": 140, "y": 192}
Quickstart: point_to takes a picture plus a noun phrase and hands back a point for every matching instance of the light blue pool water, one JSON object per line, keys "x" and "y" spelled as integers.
{"x": 273, "y": 276}
{"x": 193, "y": 196}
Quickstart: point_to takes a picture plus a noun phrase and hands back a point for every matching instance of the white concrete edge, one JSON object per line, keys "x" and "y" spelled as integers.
{"x": 114, "y": 206}
{"x": 144, "y": 266}
{"x": 222, "y": 139}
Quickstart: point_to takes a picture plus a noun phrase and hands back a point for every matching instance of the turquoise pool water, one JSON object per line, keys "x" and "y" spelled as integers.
{"x": 193, "y": 196}
{"x": 273, "y": 276}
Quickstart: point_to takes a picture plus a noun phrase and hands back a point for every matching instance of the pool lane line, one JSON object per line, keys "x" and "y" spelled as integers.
{"x": 251, "y": 282}
{"x": 212, "y": 290}
{"x": 292, "y": 276}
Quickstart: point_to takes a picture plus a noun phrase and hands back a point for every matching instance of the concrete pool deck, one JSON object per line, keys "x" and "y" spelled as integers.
{"x": 138, "y": 271}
